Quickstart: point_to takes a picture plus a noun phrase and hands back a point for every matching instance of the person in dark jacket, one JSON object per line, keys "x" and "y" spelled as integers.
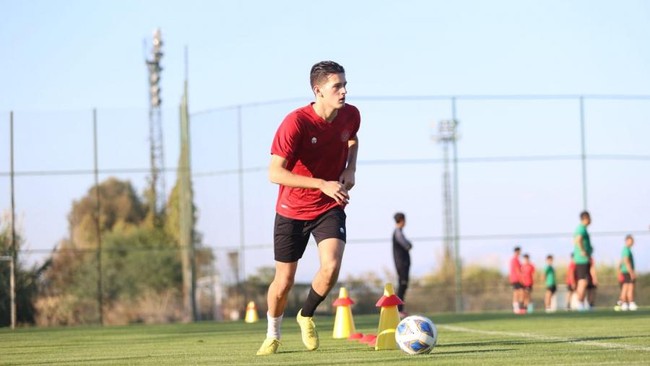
{"x": 401, "y": 248}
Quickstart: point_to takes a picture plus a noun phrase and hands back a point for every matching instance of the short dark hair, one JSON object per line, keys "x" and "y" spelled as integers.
{"x": 322, "y": 69}
{"x": 549, "y": 256}
{"x": 399, "y": 217}
{"x": 584, "y": 215}
{"x": 629, "y": 236}
{"x": 517, "y": 249}
{"x": 526, "y": 256}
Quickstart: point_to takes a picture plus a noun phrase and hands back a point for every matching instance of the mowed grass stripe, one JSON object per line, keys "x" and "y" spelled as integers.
{"x": 546, "y": 338}
{"x": 235, "y": 343}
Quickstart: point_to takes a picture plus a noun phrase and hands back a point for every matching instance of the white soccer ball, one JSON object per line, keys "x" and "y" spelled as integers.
{"x": 416, "y": 335}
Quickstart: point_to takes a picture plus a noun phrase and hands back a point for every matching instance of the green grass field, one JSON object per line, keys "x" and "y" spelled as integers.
{"x": 600, "y": 337}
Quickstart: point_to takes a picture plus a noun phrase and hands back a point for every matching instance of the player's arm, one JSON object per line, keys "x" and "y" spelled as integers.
{"x": 628, "y": 265}
{"x": 279, "y": 174}
{"x": 578, "y": 240}
{"x": 532, "y": 274}
{"x": 347, "y": 176}
{"x": 401, "y": 240}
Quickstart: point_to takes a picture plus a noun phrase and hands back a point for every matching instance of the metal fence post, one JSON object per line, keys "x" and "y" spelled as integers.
{"x": 100, "y": 290}
{"x": 14, "y": 252}
{"x": 583, "y": 154}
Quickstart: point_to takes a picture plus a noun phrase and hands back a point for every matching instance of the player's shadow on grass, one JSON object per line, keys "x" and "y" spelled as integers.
{"x": 595, "y": 339}
{"x": 487, "y": 343}
{"x": 461, "y": 352}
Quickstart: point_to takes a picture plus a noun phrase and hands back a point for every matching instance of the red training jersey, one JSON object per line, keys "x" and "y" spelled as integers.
{"x": 571, "y": 273}
{"x": 527, "y": 273}
{"x": 515, "y": 270}
{"x": 314, "y": 148}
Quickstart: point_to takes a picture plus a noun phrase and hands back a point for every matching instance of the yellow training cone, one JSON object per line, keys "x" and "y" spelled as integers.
{"x": 388, "y": 319}
{"x": 251, "y": 313}
{"x": 343, "y": 322}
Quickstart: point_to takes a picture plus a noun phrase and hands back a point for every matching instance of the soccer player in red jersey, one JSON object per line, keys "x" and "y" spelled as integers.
{"x": 527, "y": 279}
{"x": 626, "y": 269}
{"x": 515, "y": 282}
{"x": 313, "y": 160}
{"x": 570, "y": 282}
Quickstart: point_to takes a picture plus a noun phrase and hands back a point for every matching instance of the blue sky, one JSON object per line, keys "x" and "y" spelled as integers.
{"x": 59, "y": 59}
{"x": 75, "y": 54}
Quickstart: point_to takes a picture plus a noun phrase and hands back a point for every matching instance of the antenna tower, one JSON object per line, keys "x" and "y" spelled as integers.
{"x": 157, "y": 179}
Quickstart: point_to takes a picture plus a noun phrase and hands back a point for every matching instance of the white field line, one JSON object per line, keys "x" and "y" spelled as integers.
{"x": 546, "y": 338}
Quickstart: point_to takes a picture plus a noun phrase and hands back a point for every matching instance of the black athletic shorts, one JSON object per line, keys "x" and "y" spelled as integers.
{"x": 290, "y": 236}
{"x": 527, "y": 288}
{"x": 582, "y": 271}
{"x": 627, "y": 278}
{"x": 570, "y": 288}
{"x": 517, "y": 286}
{"x": 552, "y": 288}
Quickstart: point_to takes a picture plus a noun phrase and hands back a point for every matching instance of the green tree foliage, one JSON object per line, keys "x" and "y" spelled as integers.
{"x": 197, "y": 262}
{"x": 365, "y": 290}
{"x": 119, "y": 208}
{"x": 139, "y": 263}
{"x": 480, "y": 285}
{"x": 643, "y": 289}
{"x": 25, "y": 285}
{"x": 203, "y": 257}
{"x": 138, "y": 260}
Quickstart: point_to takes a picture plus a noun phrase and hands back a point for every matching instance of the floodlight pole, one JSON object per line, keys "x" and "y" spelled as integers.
{"x": 447, "y": 135}
{"x": 458, "y": 272}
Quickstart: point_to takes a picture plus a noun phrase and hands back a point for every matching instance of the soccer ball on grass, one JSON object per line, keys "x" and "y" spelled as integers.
{"x": 416, "y": 335}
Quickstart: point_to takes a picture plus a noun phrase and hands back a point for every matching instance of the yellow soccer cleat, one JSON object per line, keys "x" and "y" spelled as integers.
{"x": 308, "y": 331}
{"x": 269, "y": 347}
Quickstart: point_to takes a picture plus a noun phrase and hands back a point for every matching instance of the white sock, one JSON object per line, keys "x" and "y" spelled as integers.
{"x": 273, "y": 326}
{"x": 515, "y": 306}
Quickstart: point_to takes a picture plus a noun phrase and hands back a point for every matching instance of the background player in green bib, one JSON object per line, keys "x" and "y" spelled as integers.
{"x": 582, "y": 257}
{"x": 551, "y": 285}
{"x": 626, "y": 300}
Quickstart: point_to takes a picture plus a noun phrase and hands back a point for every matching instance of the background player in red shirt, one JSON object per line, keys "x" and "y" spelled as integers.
{"x": 515, "y": 281}
{"x": 570, "y": 282}
{"x": 314, "y": 158}
{"x": 527, "y": 274}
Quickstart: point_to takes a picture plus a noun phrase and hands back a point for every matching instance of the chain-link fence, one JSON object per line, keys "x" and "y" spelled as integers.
{"x": 526, "y": 167}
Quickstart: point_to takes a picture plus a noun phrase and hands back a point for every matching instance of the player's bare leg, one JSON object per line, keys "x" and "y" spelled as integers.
{"x": 630, "y": 297}
{"x": 547, "y": 300}
{"x": 277, "y": 296}
{"x": 277, "y": 301}
{"x": 330, "y": 253}
{"x": 581, "y": 292}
